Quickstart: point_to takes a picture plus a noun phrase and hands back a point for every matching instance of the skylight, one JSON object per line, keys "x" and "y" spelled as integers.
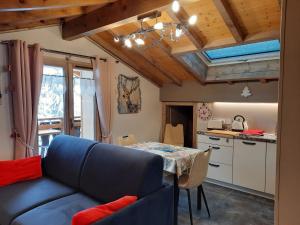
{"x": 244, "y": 52}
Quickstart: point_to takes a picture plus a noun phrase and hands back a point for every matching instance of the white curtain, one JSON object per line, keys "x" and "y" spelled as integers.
{"x": 87, "y": 90}
{"x": 103, "y": 95}
{"x": 87, "y": 87}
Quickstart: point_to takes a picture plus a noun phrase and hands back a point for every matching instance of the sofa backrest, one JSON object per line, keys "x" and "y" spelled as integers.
{"x": 111, "y": 172}
{"x": 65, "y": 158}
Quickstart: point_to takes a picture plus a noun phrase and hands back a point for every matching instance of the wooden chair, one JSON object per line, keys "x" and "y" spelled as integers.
{"x": 195, "y": 178}
{"x": 127, "y": 140}
{"x": 174, "y": 135}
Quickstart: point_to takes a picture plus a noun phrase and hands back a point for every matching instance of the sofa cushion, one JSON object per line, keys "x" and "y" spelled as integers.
{"x": 14, "y": 171}
{"x": 18, "y": 198}
{"x": 58, "y": 212}
{"x": 65, "y": 158}
{"x": 111, "y": 172}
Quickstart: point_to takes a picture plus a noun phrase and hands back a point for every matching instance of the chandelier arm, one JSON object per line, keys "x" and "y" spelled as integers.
{"x": 165, "y": 30}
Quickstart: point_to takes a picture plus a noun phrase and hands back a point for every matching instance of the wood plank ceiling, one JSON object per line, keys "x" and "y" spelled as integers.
{"x": 220, "y": 23}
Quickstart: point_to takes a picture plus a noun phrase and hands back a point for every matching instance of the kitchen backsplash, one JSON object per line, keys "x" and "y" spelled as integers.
{"x": 258, "y": 115}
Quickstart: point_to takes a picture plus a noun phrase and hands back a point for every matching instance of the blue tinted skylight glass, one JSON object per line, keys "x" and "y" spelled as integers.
{"x": 243, "y": 50}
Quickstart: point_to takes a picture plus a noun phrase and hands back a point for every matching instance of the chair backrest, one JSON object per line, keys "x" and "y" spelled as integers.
{"x": 198, "y": 171}
{"x": 112, "y": 171}
{"x": 174, "y": 135}
{"x": 127, "y": 140}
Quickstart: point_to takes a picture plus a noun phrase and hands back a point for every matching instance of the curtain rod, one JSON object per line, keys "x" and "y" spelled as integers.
{"x": 61, "y": 52}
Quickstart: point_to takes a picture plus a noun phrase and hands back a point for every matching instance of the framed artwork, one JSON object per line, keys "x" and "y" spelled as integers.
{"x": 129, "y": 94}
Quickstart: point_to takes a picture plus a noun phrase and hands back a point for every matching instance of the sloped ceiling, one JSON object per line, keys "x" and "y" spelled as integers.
{"x": 220, "y": 23}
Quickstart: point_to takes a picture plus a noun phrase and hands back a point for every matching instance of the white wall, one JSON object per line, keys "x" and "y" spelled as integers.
{"x": 258, "y": 115}
{"x": 145, "y": 125}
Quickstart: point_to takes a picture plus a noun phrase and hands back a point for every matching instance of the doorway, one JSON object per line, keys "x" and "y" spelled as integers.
{"x": 181, "y": 113}
{"x": 67, "y": 103}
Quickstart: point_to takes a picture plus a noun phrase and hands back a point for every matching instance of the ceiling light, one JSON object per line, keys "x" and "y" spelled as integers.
{"x": 175, "y": 6}
{"x": 127, "y": 43}
{"x": 193, "y": 20}
{"x": 139, "y": 41}
{"x": 178, "y": 31}
{"x": 159, "y": 26}
{"x": 116, "y": 39}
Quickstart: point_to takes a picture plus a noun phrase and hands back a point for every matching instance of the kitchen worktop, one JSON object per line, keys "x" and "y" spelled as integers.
{"x": 267, "y": 137}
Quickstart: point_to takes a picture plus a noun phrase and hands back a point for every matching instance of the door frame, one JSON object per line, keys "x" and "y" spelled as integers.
{"x": 68, "y": 66}
{"x": 164, "y": 116}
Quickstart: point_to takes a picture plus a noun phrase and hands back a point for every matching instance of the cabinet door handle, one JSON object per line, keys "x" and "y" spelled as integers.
{"x": 214, "y": 138}
{"x": 249, "y": 143}
{"x": 215, "y": 147}
{"x": 214, "y": 165}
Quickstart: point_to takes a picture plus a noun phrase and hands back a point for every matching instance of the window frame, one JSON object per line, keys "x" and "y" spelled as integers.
{"x": 242, "y": 58}
{"x": 68, "y": 66}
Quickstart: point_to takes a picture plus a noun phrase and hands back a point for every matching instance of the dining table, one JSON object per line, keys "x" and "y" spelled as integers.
{"x": 177, "y": 162}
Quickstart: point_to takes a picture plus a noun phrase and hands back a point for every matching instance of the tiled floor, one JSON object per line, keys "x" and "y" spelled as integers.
{"x": 227, "y": 207}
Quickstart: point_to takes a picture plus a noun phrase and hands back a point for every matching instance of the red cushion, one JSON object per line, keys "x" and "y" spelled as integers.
{"x": 14, "y": 171}
{"x": 91, "y": 215}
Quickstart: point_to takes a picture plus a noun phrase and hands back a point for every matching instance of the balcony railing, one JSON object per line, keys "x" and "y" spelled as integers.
{"x": 48, "y": 128}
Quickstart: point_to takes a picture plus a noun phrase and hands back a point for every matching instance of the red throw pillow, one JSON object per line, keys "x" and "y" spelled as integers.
{"x": 14, "y": 171}
{"x": 91, "y": 215}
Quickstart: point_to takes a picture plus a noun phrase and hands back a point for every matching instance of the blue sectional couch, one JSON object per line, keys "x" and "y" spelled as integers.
{"x": 79, "y": 174}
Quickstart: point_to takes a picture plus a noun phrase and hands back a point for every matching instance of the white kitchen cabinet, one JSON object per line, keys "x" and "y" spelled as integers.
{"x": 220, "y": 163}
{"x": 249, "y": 164}
{"x": 271, "y": 168}
{"x": 220, "y": 172}
{"x": 220, "y": 154}
{"x": 215, "y": 140}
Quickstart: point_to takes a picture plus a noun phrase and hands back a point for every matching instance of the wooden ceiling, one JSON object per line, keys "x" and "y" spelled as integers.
{"x": 220, "y": 23}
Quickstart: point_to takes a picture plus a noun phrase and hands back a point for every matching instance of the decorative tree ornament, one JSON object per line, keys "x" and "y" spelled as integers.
{"x": 204, "y": 112}
{"x": 246, "y": 92}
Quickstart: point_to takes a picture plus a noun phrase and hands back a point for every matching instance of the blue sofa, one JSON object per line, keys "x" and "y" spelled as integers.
{"x": 79, "y": 174}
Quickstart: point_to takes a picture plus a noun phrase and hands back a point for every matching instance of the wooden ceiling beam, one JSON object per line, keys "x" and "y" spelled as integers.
{"x": 110, "y": 16}
{"x": 192, "y": 32}
{"x": 129, "y": 57}
{"x": 17, "y": 5}
{"x": 34, "y": 25}
{"x": 168, "y": 50}
{"x": 38, "y": 15}
{"x": 230, "y": 19}
{"x": 279, "y": 2}
{"x": 155, "y": 63}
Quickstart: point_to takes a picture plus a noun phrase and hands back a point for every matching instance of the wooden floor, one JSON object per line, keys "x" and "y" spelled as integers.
{"x": 227, "y": 207}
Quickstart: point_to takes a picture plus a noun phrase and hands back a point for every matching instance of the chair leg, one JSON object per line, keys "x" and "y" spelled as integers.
{"x": 205, "y": 201}
{"x": 190, "y": 206}
{"x": 199, "y": 198}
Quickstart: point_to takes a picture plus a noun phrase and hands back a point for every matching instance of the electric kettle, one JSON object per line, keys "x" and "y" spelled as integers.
{"x": 239, "y": 123}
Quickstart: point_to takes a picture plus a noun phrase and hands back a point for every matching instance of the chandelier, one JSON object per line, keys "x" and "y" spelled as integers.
{"x": 171, "y": 30}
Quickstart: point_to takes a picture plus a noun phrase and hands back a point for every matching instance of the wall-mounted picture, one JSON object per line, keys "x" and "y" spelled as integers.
{"x": 129, "y": 94}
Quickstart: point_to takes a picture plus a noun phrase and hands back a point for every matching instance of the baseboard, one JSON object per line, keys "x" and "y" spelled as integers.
{"x": 242, "y": 189}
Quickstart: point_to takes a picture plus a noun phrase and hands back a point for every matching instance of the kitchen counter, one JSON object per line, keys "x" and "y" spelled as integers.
{"x": 270, "y": 138}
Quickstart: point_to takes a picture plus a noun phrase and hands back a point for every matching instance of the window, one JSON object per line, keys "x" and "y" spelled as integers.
{"x": 51, "y": 109}
{"x": 67, "y": 103}
{"x": 51, "y": 102}
{"x": 244, "y": 52}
